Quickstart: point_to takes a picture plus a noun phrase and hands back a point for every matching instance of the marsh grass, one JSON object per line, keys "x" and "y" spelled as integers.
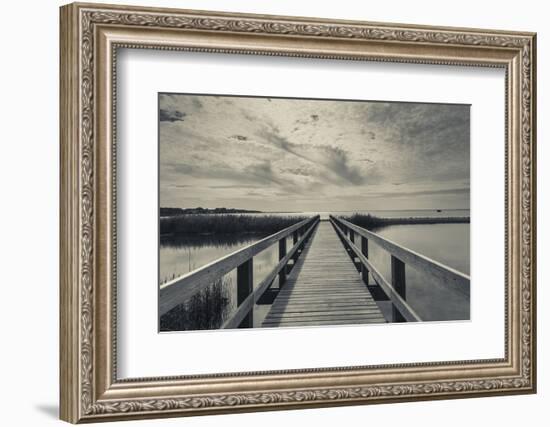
{"x": 371, "y": 222}
{"x": 209, "y": 240}
{"x": 225, "y": 224}
{"x": 205, "y": 310}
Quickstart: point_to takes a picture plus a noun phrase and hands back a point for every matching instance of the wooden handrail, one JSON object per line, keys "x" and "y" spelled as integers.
{"x": 244, "y": 307}
{"x": 182, "y": 288}
{"x": 447, "y": 276}
{"x": 405, "y": 310}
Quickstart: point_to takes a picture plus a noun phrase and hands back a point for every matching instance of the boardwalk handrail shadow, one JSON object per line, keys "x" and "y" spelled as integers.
{"x": 400, "y": 256}
{"x": 179, "y": 290}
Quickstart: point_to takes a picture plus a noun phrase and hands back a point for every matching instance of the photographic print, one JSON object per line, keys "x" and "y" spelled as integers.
{"x": 289, "y": 212}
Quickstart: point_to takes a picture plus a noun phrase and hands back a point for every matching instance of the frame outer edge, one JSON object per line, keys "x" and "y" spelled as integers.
{"x": 77, "y": 342}
{"x": 69, "y": 355}
{"x": 533, "y": 124}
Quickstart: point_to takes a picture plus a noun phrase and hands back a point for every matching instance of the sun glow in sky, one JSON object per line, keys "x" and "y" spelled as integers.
{"x": 274, "y": 154}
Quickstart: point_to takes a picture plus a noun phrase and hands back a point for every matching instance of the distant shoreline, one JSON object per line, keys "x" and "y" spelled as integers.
{"x": 371, "y": 222}
{"x": 166, "y": 212}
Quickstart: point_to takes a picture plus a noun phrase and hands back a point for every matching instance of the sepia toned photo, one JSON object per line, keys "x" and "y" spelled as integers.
{"x": 289, "y": 212}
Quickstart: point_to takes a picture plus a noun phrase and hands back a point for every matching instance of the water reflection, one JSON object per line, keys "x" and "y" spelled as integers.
{"x": 448, "y": 244}
{"x": 184, "y": 253}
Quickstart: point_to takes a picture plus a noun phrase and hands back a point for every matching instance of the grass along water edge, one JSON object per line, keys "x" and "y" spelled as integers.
{"x": 225, "y": 224}
{"x": 371, "y": 222}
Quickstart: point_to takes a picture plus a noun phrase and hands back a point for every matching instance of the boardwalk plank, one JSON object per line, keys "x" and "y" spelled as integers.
{"x": 320, "y": 307}
{"x": 292, "y": 312}
{"x": 323, "y": 288}
{"x": 348, "y": 306}
{"x": 324, "y": 315}
{"x": 323, "y": 323}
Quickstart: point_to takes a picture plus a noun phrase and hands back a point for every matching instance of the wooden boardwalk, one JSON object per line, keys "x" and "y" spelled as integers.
{"x": 324, "y": 288}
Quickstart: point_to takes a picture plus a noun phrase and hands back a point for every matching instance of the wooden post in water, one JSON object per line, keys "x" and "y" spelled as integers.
{"x": 245, "y": 286}
{"x": 365, "y": 251}
{"x": 398, "y": 284}
{"x": 282, "y": 254}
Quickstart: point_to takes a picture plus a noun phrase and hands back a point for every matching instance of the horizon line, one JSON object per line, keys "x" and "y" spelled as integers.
{"x": 314, "y": 210}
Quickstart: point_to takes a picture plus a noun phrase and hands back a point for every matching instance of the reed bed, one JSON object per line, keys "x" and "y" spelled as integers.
{"x": 225, "y": 224}
{"x": 371, "y": 222}
{"x": 204, "y": 310}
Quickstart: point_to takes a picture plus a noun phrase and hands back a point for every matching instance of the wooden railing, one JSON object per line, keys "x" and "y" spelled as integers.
{"x": 395, "y": 289}
{"x": 182, "y": 288}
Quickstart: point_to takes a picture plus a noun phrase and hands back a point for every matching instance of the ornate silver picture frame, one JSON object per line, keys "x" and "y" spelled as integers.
{"x": 92, "y": 36}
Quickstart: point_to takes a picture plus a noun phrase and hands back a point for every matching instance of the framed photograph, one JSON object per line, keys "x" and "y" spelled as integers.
{"x": 266, "y": 212}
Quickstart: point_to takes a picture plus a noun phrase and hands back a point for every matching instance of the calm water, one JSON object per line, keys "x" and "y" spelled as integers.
{"x": 446, "y": 243}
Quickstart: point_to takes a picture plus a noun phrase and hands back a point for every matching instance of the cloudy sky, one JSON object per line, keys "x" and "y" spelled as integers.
{"x": 275, "y": 154}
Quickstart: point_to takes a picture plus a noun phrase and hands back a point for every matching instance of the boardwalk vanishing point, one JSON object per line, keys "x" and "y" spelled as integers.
{"x": 325, "y": 278}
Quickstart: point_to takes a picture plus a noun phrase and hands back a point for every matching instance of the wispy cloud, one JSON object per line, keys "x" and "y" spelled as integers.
{"x": 305, "y": 154}
{"x": 263, "y": 173}
{"x": 337, "y": 160}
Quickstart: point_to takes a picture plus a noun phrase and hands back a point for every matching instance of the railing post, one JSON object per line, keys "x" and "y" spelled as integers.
{"x": 245, "y": 286}
{"x": 294, "y": 241}
{"x": 282, "y": 254}
{"x": 352, "y": 235}
{"x": 398, "y": 284}
{"x": 365, "y": 251}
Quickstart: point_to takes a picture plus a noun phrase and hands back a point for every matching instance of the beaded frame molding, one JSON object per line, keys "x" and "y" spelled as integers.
{"x": 90, "y": 37}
